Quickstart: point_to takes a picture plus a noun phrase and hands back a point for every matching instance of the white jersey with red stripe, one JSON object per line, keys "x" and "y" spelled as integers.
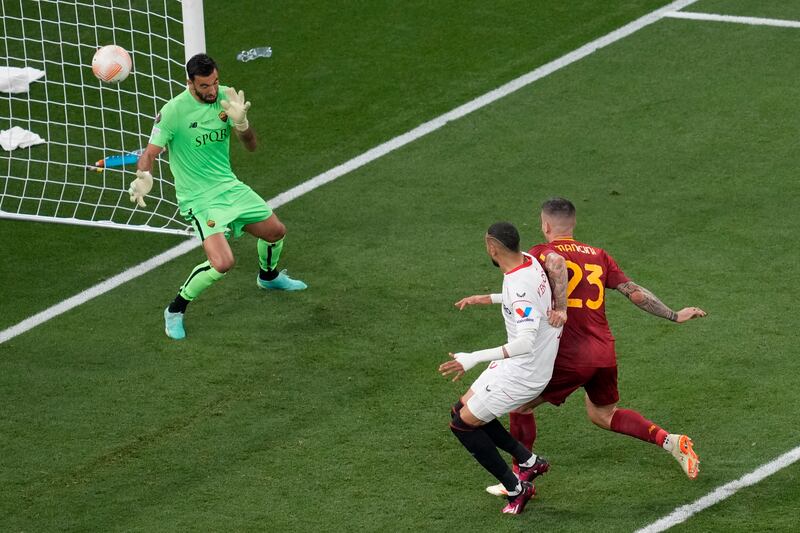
{"x": 526, "y": 300}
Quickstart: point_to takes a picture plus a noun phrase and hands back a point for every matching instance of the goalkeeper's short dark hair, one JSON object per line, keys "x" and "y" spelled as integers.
{"x": 200, "y": 65}
{"x": 506, "y": 234}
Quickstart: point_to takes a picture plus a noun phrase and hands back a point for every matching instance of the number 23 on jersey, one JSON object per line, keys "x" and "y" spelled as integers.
{"x": 593, "y": 274}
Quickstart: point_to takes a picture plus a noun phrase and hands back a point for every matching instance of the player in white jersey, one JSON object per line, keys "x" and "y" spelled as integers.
{"x": 519, "y": 370}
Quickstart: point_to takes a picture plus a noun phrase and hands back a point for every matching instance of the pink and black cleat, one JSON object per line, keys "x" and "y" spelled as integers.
{"x": 516, "y": 504}
{"x": 540, "y": 466}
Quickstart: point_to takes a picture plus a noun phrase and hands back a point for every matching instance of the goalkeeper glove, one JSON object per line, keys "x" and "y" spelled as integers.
{"x": 236, "y": 108}
{"x": 140, "y": 187}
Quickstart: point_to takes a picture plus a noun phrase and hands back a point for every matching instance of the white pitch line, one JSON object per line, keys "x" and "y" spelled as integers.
{"x": 755, "y": 21}
{"x": 355, "y": 163}
{"x": 484, "y": 100}
{"x": 681, "y": 514}
{"x": 95, "y": 291}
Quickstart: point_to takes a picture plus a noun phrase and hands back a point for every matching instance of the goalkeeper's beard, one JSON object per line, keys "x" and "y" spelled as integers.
{"x": 208, "y": 98}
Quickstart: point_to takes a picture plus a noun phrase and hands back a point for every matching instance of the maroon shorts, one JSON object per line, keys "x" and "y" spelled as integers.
{"x": 600, "y": 384}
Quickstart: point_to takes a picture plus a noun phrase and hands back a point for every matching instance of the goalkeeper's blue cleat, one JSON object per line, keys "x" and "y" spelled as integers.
{"x": 282, "y": 283}
{"x": 173, "y": 325}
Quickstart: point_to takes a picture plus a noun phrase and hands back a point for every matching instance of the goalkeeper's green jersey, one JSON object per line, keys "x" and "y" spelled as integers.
{"x": 197, "y": 136}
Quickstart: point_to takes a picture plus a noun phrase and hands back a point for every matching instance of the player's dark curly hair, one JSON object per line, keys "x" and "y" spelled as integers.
{"x": 559, "y": 207}
{"x": 200, "y": 65}
{"x": 506, "y": 233}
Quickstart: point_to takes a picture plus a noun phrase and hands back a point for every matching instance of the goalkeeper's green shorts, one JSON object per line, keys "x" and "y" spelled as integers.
{"x": 228, "y": 212}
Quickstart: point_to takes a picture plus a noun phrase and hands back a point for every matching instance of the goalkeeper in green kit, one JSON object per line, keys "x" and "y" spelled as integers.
{"x": 196, "y": 127}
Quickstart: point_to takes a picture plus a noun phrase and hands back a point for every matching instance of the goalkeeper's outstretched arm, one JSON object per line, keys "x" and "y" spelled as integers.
{"x": 145, "y": 162}
{"x": 144, "y": 179}
{"x": 248, "y": 139}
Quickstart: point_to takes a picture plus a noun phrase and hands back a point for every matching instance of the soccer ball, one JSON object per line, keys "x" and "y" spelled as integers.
{"x": 111, "y": 64}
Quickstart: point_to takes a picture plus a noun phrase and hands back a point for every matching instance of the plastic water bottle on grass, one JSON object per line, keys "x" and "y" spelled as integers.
{"x": 254, "y": 53}
{"x": 112, "y": 161}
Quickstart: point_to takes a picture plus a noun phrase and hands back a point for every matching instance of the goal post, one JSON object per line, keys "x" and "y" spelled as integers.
{"x": 84, "y": 120}
{"x": 194, "y": 34}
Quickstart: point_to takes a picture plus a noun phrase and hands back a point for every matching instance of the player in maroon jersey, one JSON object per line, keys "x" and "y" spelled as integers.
{"x": 586, "y": 356}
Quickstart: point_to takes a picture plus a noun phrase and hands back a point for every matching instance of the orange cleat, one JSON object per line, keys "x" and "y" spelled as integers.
{"x": 682, "y": 449}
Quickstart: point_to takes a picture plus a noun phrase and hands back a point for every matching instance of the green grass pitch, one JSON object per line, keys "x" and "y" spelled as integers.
{"x": 322, "y": 410}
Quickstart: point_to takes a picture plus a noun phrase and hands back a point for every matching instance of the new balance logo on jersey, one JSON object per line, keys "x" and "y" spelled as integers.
{"x": 193, "y": 125}
{"x": 216, "y": 136}
{"x": 523, "y": 313}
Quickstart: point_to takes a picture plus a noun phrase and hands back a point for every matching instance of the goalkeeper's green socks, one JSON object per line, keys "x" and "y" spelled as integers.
{"x": 268, "y": 255}
{"x": 204, "y": 275}
{"x": 201, "y": 278}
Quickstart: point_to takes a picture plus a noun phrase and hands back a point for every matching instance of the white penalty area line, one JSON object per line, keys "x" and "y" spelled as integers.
{"x": 356, "y": 162}
{"x": 681, "y": 514}
{"x": 753, "y": 21}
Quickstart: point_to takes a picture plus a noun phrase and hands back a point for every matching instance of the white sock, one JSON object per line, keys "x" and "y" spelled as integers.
{"x": 517, "y": 490}
{"x": 529, "y": 463}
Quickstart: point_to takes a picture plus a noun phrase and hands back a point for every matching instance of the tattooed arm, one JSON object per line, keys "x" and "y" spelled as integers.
{"x": 649, "y": 302}
{"x": 556, "y": 268}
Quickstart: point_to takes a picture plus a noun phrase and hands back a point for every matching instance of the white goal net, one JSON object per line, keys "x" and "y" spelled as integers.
{"x": 84, "y": 120}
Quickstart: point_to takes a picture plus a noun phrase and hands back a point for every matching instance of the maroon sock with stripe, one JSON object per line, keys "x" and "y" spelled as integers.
{"x": 632, "y": 423}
